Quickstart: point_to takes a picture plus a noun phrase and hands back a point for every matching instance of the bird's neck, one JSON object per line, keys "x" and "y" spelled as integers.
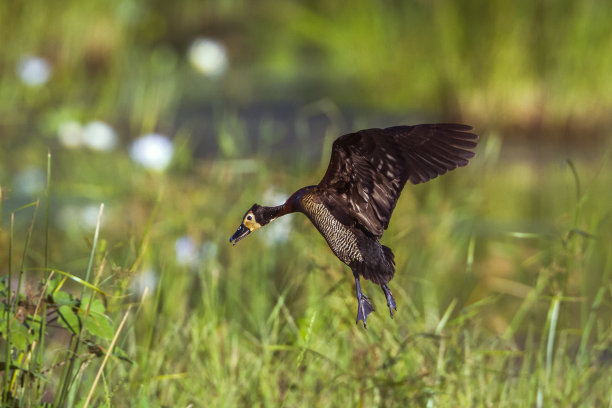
{"x": 271, "y": 213}
{"x": 293, "y": 204}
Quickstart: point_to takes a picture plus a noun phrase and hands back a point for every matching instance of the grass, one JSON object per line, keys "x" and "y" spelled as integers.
{"x": 502, "y": 285}
{"x": 119, "y": 286}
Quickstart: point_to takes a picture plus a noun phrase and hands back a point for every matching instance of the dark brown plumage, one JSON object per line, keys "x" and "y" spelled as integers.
{"x": 352, "y": 205}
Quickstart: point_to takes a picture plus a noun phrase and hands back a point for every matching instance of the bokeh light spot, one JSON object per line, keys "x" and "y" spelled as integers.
{"x": 186, "y": 251}
{"x": 29, "y": 182}
{"x": 153, "y": 151}
{"x": 98, "y": 135}
{"x": 70, "y": 134}
{"x": 33, "y": 71}
{"x": 208, "y": 57}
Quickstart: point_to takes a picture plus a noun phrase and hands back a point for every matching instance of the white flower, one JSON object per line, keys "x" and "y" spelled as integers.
{"x": 33, "y": 71}
{"x": 75, "y": 218}
{"x": 154, "y": 151}
{"x": 274, "y": 197}
{"x": 98, "y": 135}
{"x": 70, "y": 134}
{"x": 88, "y": 216}
{"x": 186, "y": 251}
{"x": 278, "y": 231}
{"x": 208, "y": 56}
{"x": 29, "y": 182}
{"x": 143, "y": 280}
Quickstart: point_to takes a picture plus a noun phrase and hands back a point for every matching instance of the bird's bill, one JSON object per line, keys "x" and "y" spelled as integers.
{"x": 240, "y": 233}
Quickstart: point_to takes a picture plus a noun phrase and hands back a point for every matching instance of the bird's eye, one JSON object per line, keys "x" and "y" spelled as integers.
{"x": 249, "y": 217}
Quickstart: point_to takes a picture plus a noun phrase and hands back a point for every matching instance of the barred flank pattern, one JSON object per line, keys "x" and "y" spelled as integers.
{"x": 340, "y": 239}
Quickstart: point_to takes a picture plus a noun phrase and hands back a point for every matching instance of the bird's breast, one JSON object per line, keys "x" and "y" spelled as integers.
{"x": 340, "y": 238}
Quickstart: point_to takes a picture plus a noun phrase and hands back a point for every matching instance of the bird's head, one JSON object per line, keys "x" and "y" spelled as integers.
{"x": 255, "y": 218}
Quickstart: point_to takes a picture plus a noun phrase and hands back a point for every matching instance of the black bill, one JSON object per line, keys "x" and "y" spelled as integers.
{"x": 240, "y": 233}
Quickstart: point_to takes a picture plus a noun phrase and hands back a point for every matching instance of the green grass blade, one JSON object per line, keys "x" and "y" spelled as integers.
{"x": 108, "y": 353}
{"x": 94, "y": 246}
{"x": 37, "y": 361}
{"x": 68, "y": 382}
{"x": 8, "y": 314}
{"x": 553, "y": 317}
{"x": 445, "y": 317}
{"x": 306, "y": 340}
{"x": 75, "y": 278}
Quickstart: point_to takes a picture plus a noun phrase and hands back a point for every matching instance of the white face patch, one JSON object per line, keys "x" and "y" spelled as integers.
{"x": 250, "y": 222}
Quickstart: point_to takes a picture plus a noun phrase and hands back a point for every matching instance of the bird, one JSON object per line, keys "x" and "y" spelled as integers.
{"x": 352, "y": 205}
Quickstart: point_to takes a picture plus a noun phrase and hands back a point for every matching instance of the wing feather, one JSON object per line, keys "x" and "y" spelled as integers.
{"x": 368, "y": 169}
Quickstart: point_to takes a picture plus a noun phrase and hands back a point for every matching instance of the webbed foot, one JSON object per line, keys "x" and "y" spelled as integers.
{"x": 364, "y": 308}
{"x": 390, "y": 299}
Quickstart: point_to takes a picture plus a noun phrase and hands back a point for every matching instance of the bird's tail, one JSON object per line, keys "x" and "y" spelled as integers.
{"x": 386, "y": 274}
{"x": 380, "y": 271}
{"x": 389, "y": 256}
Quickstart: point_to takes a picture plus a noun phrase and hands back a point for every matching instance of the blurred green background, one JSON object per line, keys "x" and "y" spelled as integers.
{"x": 179, "y": 115}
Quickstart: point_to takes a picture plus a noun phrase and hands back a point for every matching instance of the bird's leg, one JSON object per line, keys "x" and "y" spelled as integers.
{"x": 390, "y": 298}
{"x": 364, "y": 307}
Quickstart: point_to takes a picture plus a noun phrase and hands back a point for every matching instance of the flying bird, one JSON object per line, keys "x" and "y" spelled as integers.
{"x": 352, "y": 205}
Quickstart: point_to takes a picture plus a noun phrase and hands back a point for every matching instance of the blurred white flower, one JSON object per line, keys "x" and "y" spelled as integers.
{"x": 98, "y": 135}
{"x": 278, "y": 231}
{"x": 208, "y": 56}
{"x": 73, "y": 217}
{"x": 29, "y": 182}
{"x": 33, "y": 71}
{"x": 189, "y": 254}
{"x": 186, "y": 251}
{"x": 143, "y": 280}
{"x": 154, "y": 151}
{"x": 88, "y": 216}
{"x": 274, "y": 197}
{"x": 70, "y": 134}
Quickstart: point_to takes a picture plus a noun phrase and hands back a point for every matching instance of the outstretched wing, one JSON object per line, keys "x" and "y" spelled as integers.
{"x": 368, "y": 169}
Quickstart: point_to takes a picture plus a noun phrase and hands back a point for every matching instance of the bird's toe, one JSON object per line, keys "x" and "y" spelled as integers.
{"x": 364, "y": 308}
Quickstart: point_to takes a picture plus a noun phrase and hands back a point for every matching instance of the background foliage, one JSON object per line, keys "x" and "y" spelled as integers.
{"x": 503, "y": 267}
